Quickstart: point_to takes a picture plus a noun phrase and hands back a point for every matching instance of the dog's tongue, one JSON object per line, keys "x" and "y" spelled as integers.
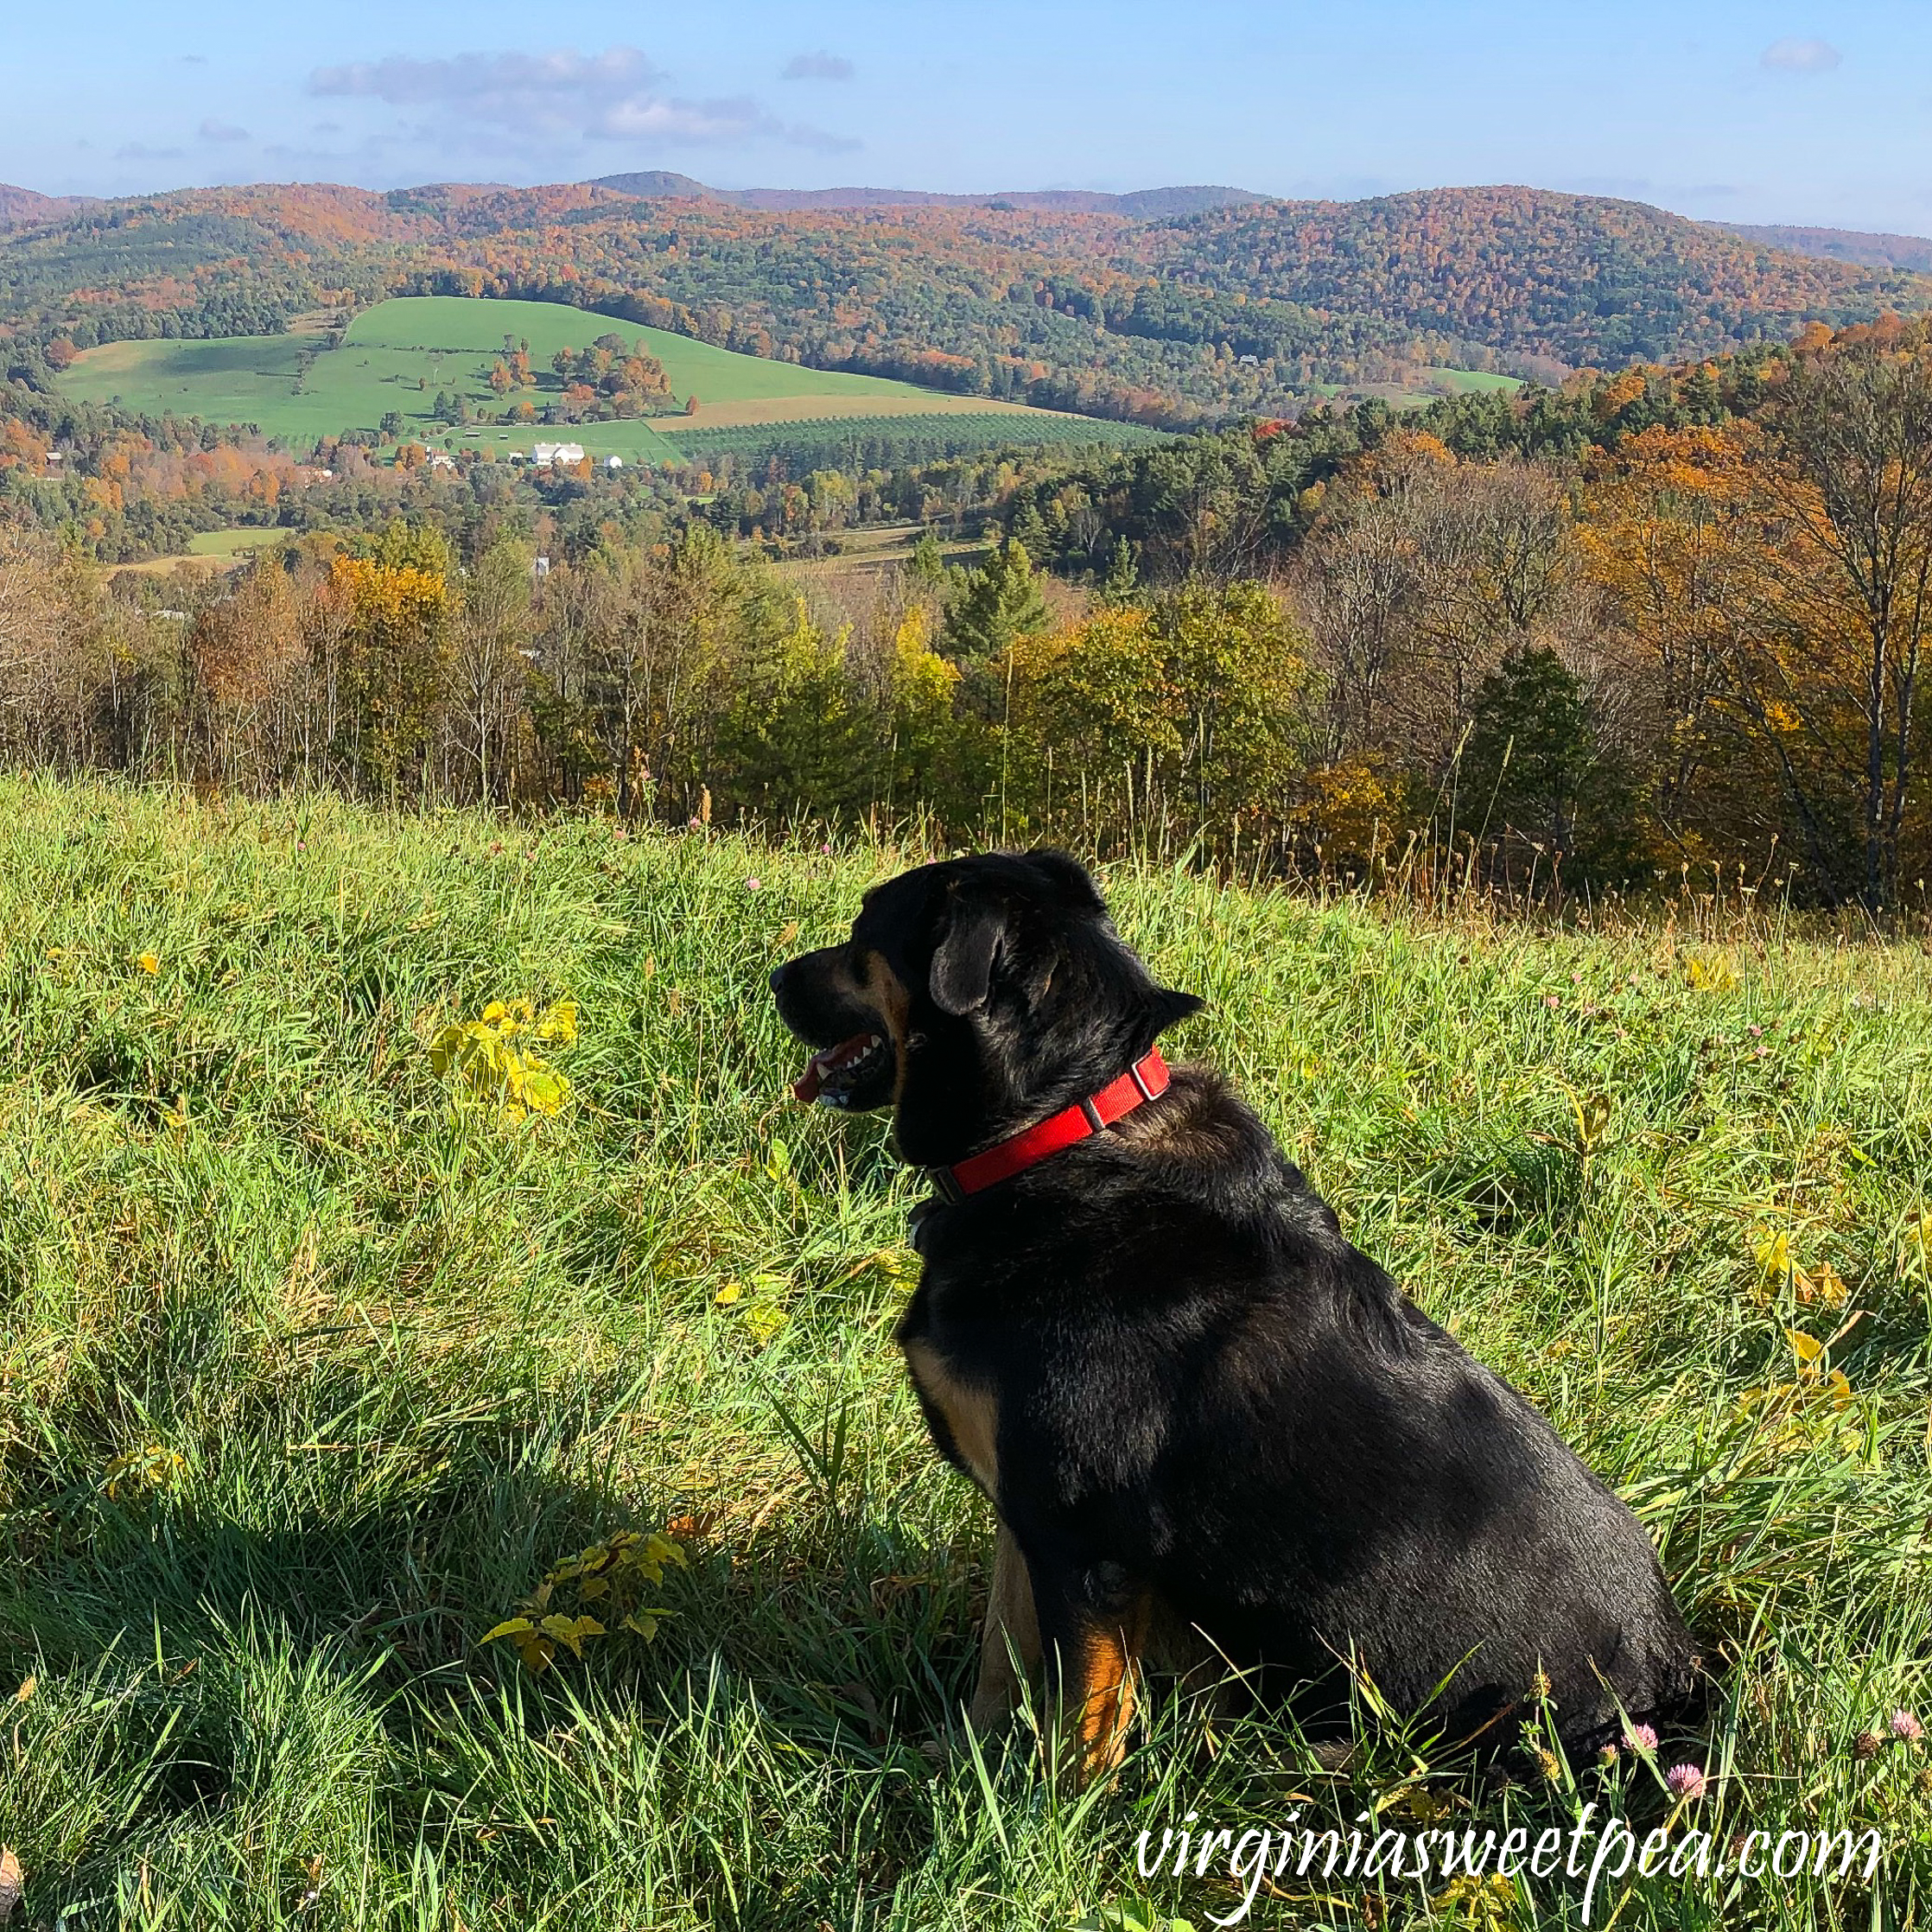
{"x": 822, "y": 1066}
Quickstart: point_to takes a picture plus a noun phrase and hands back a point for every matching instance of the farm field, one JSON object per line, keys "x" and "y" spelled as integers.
{"x": 399, "y": 355}
{"x": 1425, "y": 383}
{"x": 877, "y": 547}
{"x": 875, "y": 440}
{"x": 1469, "y": 382}
{"x": 311, "y": 1375}
{"x": 233, "y": 543}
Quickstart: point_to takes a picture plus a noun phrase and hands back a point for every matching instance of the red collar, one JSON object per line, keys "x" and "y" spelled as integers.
{"x": 1147, "y": 1079}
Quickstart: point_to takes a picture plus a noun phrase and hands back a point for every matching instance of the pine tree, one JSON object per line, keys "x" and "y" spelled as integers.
{"x": 999, "y": 603}
{"x": 1029, "y": 530}
{"x": 927, "y": 565}
{"x": 1123, "y": 576}
{"x": 1534, "y": 768}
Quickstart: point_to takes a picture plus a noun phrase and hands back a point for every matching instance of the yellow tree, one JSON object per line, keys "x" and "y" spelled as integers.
{"x": 1192, "y": 703}
{"x": 923, "y": 735}
{"x": 396, "y": 659}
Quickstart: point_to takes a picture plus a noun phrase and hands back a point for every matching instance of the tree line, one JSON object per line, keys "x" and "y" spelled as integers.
{"x": 1178, "y": 322}
{"x": 1659, "y": 620}
{"x": 676, "y": 680}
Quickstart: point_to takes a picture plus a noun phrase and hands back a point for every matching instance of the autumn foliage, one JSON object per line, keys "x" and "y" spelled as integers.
{"x": 1659, "y": 624}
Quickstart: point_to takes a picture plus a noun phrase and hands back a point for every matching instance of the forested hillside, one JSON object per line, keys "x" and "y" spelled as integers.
{"x": 1167, "y": 319}
{"x": 1841, "y": 244}
{"x": 1579, "y": 277}
{"x": 20, "y": 207}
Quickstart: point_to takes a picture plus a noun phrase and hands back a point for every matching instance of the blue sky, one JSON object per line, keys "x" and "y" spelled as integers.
{"x": 1813, "y": 111}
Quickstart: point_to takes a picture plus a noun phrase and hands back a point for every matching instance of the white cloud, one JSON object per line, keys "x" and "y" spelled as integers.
{"x": 562, "y": 89}
{"x": 820, "y": 65}
{"x": 213, "y": 129}
{"x": 545, "y": 99}
{"x": 653, "y": 117}
{"x": 1794, "y": 55}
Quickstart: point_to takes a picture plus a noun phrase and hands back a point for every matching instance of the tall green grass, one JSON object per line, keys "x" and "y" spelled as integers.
{"x": 408, "y": 1356}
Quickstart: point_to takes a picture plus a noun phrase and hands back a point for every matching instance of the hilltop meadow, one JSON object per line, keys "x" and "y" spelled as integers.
{"x": 404, "y": 361}
{"x": 332, "y": 1333}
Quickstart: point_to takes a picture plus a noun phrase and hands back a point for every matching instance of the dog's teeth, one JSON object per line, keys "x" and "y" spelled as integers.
{"x": 872, "y": 1040}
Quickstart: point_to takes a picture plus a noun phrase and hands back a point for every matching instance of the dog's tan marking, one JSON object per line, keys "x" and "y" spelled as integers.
{"x": 1009, "y": 1639}
{"x": 882, "y": 991}
{"x": 971, "y": 1415}
{"x": 1099, "y": 1694}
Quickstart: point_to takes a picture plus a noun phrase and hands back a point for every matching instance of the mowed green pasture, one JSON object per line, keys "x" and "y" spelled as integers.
{"x": 399, "y": 355}
{"x": 1464, "y": 382}
{"x": 1424, "y": 383}
{"x": 310, "y": 1374}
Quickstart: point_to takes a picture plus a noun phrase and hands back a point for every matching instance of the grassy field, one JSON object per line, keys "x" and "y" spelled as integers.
{"x": 1424, "y": 384}
{"x": 290, "y": 386}
{"x": 1466, "y": 382}
{"x": 887, "y": 440}
{"x": 310, "y": 1375}
{"x": 233, "y": 543}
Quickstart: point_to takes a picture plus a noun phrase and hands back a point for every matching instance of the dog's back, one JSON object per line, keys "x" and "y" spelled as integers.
{"x": 1200, "y": 1379}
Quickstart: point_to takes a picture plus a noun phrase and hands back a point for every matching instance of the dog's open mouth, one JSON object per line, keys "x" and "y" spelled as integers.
{"x": 833, "y": 1076}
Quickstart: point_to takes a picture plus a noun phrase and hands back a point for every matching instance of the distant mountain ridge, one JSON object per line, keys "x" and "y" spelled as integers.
{"x": 22, "y": 206}
{"x": 1144, "y": 204}
{"x": 1144, "y": 307}
{"x": 1913, "y": 253}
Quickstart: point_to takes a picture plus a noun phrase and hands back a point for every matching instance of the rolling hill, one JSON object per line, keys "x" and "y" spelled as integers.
{"x": 1913, "y": 253}
{"x": 22, "y": 206}
{"x": 1148, "y": 308}
{"x": 401, "y": 355}
{"x": 1580, "y": 279}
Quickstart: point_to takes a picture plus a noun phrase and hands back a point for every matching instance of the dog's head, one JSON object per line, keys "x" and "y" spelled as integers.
{"x": 973, "y": 998}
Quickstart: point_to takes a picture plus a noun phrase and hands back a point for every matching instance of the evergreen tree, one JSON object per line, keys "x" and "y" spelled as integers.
{"x": 1123, "y": 576}
{"x": 927, "y": 565}
{"x": 1534, "y": 769}
{"x": 998, "y": 604}
{"x": 1029, "y": 530}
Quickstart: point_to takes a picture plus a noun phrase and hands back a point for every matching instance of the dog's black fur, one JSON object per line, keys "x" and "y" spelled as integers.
{"x": 1201, "y": 1402}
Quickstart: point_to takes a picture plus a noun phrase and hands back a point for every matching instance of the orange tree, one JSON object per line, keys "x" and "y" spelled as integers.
{"x": 1672, "y": 533}
{"x": 1769, "y": 591}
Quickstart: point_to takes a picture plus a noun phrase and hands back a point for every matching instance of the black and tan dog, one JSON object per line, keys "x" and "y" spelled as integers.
{"x": 1191, "y": 1401}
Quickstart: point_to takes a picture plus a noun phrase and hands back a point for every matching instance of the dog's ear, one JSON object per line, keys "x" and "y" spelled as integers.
{"x": 1170, "y": 1006}
{"x": 1068, "y": 878}
{"x": 962, "y": 972}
